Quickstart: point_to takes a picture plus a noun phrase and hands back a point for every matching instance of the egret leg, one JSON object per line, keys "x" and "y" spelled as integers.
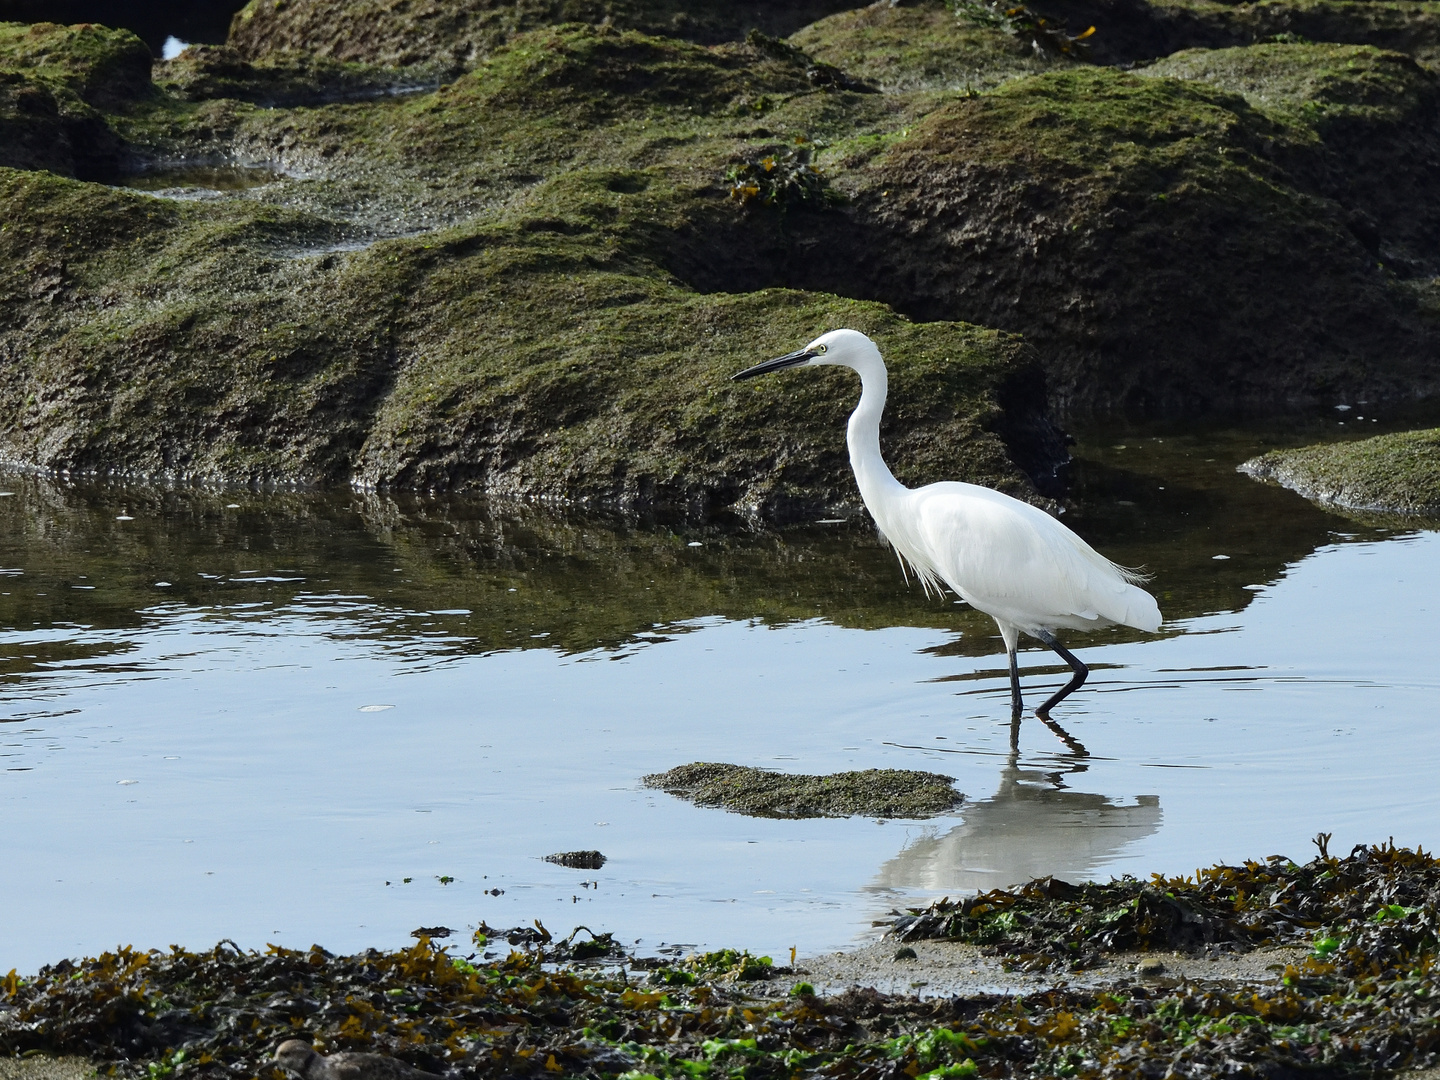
{"x": 1076, "y": 681}
{"x": 1017, "y": 707}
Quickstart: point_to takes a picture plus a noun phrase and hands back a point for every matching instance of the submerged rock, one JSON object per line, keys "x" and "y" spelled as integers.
{"x": 1393, "y": 474}
{"x": 883, "y": 793}
{"x": 578, "y": 860}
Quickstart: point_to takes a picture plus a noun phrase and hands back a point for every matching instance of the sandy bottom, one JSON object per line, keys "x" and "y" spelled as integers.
{"x": 43, "y": 1068}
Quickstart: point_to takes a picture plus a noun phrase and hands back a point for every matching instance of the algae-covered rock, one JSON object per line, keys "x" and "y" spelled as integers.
{"x": 883, "y": 793}
{"x": 39, "y": 130}
{"x": 528, "y": 357}
{"x": 52, "y": 78}
{"x": 1142, "y": 233}
{"x": 534, "y": 277}
{"x": 460, "y": 33}
{"x": 204, "y": 72}
{"x": 1393, "y": 474}
{"x": 1138, "y": 31}
{"x": 104, "y": 67}
{"x": 1376, "y": 118}
{"x": 924, "y": 46}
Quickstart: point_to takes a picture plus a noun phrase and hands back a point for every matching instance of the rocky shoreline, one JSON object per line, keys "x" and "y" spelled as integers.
{"x": 1268, "y": 968}
{"x": 518, "y": 248}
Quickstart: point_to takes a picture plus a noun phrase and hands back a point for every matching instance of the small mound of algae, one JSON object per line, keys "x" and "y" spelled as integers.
{"x": 883, "y": 793}
{"x": 1395, "y": 474}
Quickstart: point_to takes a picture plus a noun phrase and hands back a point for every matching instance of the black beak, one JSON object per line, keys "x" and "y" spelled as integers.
{"x": 799, "y": 356}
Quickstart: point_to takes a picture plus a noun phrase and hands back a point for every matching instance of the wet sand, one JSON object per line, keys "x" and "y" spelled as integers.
{"x": 947, "y": 969}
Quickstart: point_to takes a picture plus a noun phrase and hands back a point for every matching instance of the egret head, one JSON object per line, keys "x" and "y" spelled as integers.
{"x": 849, "y": 348}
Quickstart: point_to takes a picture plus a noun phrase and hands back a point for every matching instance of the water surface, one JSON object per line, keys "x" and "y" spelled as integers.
{"x": 290, "y": 718}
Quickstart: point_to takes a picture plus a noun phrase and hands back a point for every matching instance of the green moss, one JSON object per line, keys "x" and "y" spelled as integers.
{"x": 1410, "y": 26}
{"x": 1315, "y": 84}
{"x": 921, "y": 46}
{"x": 540, "y": 355}
{"x": 106, "y": 68}
{"x": 464, "y": 32}
{"x": 1397, "y": 474}
{"x": 1114, "y": 126}
{"x": 882, "y": 793}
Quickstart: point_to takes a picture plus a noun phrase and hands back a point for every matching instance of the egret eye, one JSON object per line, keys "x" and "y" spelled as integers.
{"x": 821, "y": 348}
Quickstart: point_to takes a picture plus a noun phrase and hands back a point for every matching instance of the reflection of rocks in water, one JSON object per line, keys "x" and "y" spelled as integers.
{"x": 1031, "y": 827}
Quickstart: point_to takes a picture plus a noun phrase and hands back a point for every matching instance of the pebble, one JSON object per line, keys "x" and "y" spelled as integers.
{"x": 296, "y": 1056}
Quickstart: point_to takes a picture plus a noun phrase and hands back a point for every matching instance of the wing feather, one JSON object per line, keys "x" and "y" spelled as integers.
{"x": 1015, "y": 562}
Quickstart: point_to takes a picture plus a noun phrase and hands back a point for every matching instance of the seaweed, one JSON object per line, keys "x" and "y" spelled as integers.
{"x": 1363, "y": 1002}
{"x": 884, "y": 793}
{"x": 1374, "y": 911}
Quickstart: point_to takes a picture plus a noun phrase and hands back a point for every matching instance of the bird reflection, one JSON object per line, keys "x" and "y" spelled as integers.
{"x": 1034, "y": 825}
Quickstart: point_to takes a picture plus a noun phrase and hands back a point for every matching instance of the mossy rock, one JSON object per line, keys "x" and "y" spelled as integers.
{"x": 204, "y": 72}
{"x": 1319, "y": 84}
{"x": 532, "y": 356}
{"x": 880, "y": 793}
{"x": 1376, "y": 119}
{"x": 1157, "y": 239}
{"x": 1139, "y": 31}
{"x": 461, "y": 33}
{"x": 1389, "y": 474}
{"x": 43, "y": 129}
{"x": 924, "y": 46}
{"x": 103, "y": 67}
{"x": 1142, "y": 233}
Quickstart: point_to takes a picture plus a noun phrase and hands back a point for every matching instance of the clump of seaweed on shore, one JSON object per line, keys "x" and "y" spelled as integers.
{"x": 1361, "y": 1003}
{"x": 1372, "y": 911}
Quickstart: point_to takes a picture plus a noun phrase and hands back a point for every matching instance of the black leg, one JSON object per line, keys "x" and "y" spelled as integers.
{"x": 1076, "y": 681}
{"x": 1017, "y": 707}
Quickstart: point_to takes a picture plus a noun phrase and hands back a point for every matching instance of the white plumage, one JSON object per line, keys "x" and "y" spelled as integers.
{"x": 1002, "y": 556}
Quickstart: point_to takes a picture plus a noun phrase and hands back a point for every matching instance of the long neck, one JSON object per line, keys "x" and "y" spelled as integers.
{"x": 863, "y": 437}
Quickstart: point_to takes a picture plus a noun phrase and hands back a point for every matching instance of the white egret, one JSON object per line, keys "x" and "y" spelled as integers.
{"x": 1002, "y": 556}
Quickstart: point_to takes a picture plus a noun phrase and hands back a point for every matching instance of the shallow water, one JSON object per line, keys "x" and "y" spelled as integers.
{"x": 256, "y": 716}
{"x": 183, "y": 180}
